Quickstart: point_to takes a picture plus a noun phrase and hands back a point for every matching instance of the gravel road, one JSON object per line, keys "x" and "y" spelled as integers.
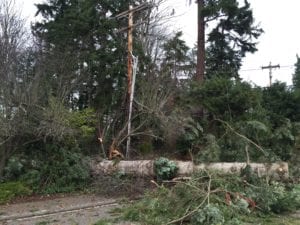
{"x": 70, "y": 210}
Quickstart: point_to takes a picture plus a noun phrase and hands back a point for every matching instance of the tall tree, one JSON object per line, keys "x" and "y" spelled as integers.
{"x": 12, "y": 96}
{"x": 232, "y": 35}
{"x": 81, "y": 41}
{"x": 201, "y": 43}
{"x": 296, "y": 75}
{"x": 175, "y": 61}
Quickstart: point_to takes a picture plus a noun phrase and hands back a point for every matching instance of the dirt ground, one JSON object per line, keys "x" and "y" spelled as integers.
{"x": 63, "y": 210}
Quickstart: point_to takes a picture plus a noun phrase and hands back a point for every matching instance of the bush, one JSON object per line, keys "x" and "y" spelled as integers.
{"x": 10, "y": 190}
{"x": 60, "y": 170}
{"x": 165, "y": 169}
{"x": 209, "y": 215}
{"x": 14, "y": 168}
{"x": 145, "y": 148}
{"x": 288, "y": 201}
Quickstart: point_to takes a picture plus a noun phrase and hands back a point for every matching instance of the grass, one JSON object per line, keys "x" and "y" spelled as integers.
{"x": 272, "y": 220}
{"x": 106, "y": 222}
{"x": 43, "y": 223}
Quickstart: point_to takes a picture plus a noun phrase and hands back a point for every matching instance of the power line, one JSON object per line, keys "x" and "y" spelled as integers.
{"x": 270, "y": 67}
{"x": 259, "y": 69}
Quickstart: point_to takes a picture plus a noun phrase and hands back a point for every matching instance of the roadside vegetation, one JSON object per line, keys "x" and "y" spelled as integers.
{"x": 212, "y": 198}
{"x": 64, "y": 104}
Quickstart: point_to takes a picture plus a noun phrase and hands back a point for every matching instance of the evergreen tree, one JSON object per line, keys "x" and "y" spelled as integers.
{"x": 280, "y": 103}
{"x": 176, "y": 60}
{"x": 296, "y": 75}
{"x": 296, "y": 91}
{"x": 83, "y": 50}
{"x": 232, "y": 36}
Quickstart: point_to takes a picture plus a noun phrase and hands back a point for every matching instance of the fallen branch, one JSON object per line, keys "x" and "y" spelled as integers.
{"x": 198, "y": 207}
{"x": 242, "y": 136}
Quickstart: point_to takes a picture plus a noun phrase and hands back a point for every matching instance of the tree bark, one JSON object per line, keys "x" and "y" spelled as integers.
{"x": 145, "y": 168}
{"x": 2, "y": 162}
{"x": 201, "y": 44}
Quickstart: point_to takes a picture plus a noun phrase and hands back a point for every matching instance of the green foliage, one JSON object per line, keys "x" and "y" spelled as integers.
{"x": 211, "y": 152}
{"x": 165, "y": 169}
{"x": 58, "y": 170}
{"x": 84, "y": 123}
{"x": 235, "y": 221}
{"x": 104, "y": 222}
{"x": 43, "y": 222}
{"x": 145, "y": 148}
{"x": 85, "y": 120}
{"x": 296, "y": 75}
{"x": 14, "y": 168}
{"x": 151, "y": 209}
{"x": 54, "y": 122}
{"x": 256, "y": 127}
{"x": 204, "y": 200}
{"x": 288, "y": 201}
{"x": 10, "y": 190}
{"x": 283, "y": 140}
{"x": 263, "y": 116}
{"x": 192, "y": 137}
{"x": 233, "y": 36}
{"x": 209, "y": 215}
{"x": 82, "y": 28}
{"x": 280, "y": 103}
{"x": 224, "y": 98}
{"x": 176, "y": 60}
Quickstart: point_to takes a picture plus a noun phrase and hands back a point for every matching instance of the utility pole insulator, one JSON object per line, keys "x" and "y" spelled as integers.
{"x": 270, "y": 67}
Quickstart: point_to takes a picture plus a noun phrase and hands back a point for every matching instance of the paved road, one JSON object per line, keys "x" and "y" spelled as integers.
{"x": 71, "y": 210}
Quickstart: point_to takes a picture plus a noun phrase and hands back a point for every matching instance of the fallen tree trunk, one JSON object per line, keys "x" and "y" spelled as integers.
{"x": 145, "y": 168}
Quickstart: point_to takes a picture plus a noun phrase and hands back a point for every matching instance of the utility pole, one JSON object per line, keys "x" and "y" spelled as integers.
{"x": 129, "y": 45}
{"x": 131, "y": 69}
{"x": 129, "y": 78}
{"x": 201, "y": 43}
{"x": 270, "y": 67}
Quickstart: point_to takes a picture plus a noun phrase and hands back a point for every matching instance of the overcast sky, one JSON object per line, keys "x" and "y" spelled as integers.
{"x": 279, "y": 44}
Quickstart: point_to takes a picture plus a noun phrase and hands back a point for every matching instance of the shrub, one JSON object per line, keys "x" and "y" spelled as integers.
{"x": 145, "y": 148}
{"x": 209, "y": 215}
{"x": 60, "y": 170}
{"x": 14, "y": 168}
{"x": 165, "y": 169}
{"x": 288, "y": 201}
{"x": 10, "y": 190}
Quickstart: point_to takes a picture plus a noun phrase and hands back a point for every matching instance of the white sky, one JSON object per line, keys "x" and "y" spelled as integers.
{"x": 279, "y": 44}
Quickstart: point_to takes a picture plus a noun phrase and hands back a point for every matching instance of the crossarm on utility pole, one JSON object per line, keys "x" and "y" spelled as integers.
{"x": 270, "y": 67}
